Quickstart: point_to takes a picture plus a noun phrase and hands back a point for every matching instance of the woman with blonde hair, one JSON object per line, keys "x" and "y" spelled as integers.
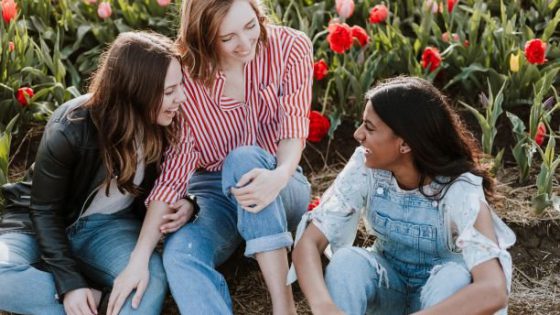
{"x": 72, "y": 230}
{"x": 248, "y": 87}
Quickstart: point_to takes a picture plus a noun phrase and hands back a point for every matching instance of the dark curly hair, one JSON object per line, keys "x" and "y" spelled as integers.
{"x": 420, "y": 114}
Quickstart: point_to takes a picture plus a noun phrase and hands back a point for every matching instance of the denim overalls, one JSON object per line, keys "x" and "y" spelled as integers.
{"x": 410, "y": 266}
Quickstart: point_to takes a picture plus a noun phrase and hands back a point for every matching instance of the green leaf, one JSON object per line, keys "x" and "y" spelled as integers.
{"x": 551, "y": 27}
{"x": 466, "y": 73}
{"x": 541, "y": 202}
{"x": 336, "y": 120}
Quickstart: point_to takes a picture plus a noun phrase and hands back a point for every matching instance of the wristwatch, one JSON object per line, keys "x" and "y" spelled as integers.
{"x": 192, "y": 199}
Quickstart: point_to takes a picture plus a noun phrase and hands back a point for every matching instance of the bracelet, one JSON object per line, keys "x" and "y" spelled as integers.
{"x": 196, "y": 208}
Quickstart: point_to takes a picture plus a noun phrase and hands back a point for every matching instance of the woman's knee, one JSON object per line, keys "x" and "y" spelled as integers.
{"x": 180, "y": 251}
{"x": 349, "y": 267}
{"x": 245, "y": 158}
{"x": 444, "y": 281}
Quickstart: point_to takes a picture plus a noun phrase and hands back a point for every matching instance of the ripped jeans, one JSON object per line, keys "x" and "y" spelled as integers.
{"x": 362, "y": 281}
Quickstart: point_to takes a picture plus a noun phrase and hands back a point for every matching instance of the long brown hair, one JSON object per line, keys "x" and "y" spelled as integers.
{"x": 127, "y": 93}
{"x": 420, "y": 114}
{"x": 198, "y": 36}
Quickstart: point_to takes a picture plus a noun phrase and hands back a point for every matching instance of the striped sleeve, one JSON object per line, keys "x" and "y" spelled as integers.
{"x": 296, "y": 90}
{"x": 179, "y": 163}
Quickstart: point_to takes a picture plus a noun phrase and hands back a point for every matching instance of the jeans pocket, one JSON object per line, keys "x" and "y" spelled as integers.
{"x": 421, "y": 237}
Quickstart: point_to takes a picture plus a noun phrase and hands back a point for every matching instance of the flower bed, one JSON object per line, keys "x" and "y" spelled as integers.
{"x": 493, "y": 57}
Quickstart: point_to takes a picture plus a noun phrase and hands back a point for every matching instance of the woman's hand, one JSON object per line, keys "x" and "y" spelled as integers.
{"x": 134, "y": 276}
{"x": 184, "y": 210}
{"x": 80, "y": 302}
{"x": 258, "y": 188}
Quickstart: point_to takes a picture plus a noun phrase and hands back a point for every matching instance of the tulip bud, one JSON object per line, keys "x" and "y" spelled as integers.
{"x": 104, "y": 10}
{"x": 514, "y": 63}
{"x": 345, "y": 8}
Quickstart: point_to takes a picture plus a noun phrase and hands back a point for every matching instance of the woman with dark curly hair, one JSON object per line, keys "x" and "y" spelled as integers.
{"x": 417, "y": 181}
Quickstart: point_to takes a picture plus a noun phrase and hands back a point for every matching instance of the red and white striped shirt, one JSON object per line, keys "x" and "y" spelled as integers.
{"x": 278, "y": 85}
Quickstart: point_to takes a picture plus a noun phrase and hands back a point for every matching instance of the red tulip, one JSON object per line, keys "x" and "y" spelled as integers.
{"x": 314, "y": 203}
{"x": 360, "y": 35}
{"x": 23, "y": 94}
{"x": 535, "y": 51}
{"x": 541, "y": 133}
{"x": 431, "y": 58}
{"x": 318, "y": 126}
{"x": 378, "y": 14}
{"x": 340, "y": 37}
{"x": 451, "y": 4}
{"x": 320, "y": 69}
{"x": 345, "y": 8}
{"x": 9, "y": 10}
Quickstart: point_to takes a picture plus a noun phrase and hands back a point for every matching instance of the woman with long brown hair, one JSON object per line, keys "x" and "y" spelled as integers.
{"x": 248, "y": 86}
{"x": 72, "y": 231}
{"x": 418, "y": 183}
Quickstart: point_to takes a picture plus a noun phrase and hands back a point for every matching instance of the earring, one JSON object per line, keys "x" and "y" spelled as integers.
{"x": 403, "y": 151}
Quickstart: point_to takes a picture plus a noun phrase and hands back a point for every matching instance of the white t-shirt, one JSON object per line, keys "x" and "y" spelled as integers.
{"x": 116, "y": 200}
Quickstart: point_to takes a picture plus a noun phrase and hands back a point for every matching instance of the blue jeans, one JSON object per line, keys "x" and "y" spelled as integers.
{"x": 192, "y": 253}
{"x": 101, "y": 244}
{"x": 361, "y": 281}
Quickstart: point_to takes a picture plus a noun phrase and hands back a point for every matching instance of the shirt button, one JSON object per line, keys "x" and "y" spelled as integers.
{"x": 379, "y": 191}
{"x": 434, "y": 203}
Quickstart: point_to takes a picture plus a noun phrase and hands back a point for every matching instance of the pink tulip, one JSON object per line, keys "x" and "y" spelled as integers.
{"x": 345, "y": 8}
{"x": 104, "y": 10}
{"x": 163, "y": 3}
{"x": 432, "y": 5}
{"x": 9, "y": 10}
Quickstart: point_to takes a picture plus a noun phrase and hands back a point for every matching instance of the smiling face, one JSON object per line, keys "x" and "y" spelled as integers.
{"x": 173, "y": 94}
{"x": 382, "y": 146}
{"x": 238, "y": 34}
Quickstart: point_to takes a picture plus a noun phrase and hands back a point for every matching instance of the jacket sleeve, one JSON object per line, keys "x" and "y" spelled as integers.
{"x": 54, "y": 167}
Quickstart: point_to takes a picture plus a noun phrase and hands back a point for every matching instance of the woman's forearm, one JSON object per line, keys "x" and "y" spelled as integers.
{"x": 150, "y": 233}
{"x": 307, "y": 260}
{"x": 476, "y": 298}
{"x": 288, "y": 156}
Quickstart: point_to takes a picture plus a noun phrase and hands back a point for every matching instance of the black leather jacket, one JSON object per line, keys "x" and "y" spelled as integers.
{"x": 68, "y": 171}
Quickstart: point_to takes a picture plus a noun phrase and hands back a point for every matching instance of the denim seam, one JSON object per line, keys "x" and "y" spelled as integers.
{"x": 252, "y": 245}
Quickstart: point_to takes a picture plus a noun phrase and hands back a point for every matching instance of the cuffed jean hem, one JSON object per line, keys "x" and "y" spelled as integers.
{"x": 268, "y": 243}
